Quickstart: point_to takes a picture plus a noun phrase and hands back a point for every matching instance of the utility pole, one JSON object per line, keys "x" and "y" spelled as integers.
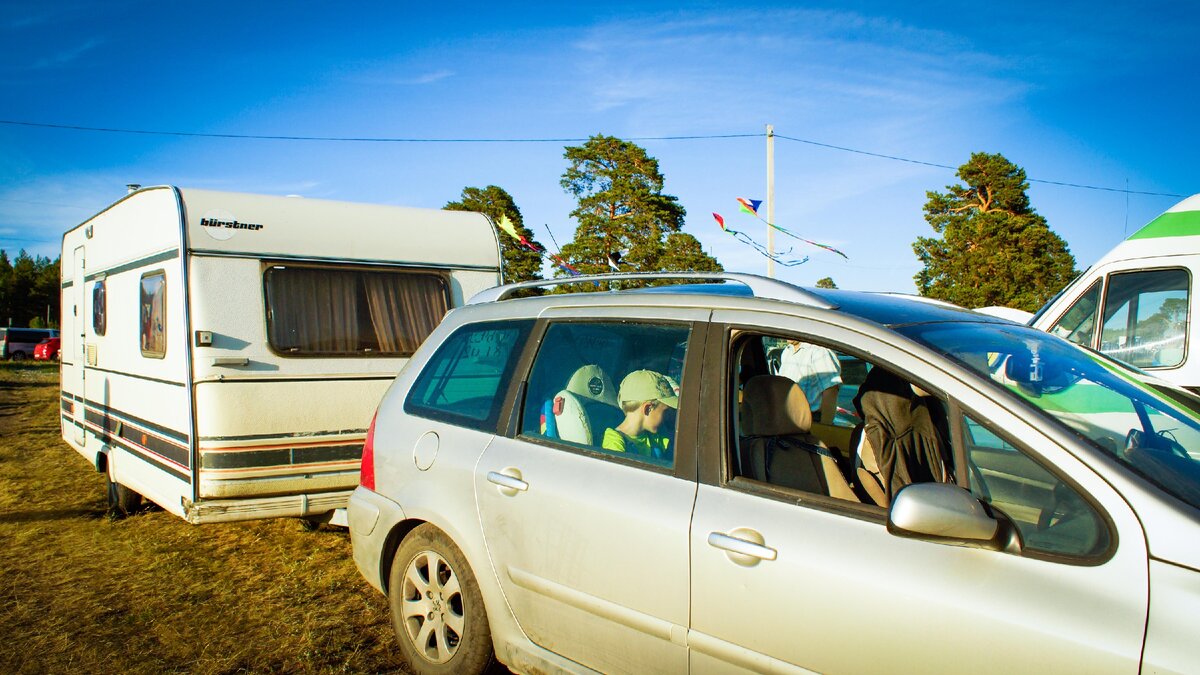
{"x": 771, "y": 200}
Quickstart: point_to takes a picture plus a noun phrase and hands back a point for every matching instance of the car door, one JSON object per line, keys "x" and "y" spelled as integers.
{"x": 589, "y": 545}
{"x": 785, "y": 580}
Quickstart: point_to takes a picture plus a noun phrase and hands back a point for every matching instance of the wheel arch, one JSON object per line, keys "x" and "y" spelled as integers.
{"x": 397, "y": 534}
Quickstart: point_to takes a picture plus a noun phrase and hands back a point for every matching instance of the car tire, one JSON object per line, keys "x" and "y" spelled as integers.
{"x": 18, "y": 356}
{"x": 122, "y": 501}
{"x": 437, "y": 609}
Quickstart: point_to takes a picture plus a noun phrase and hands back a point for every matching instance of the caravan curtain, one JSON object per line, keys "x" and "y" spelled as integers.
{"x": 312, "y": 310}
{"x": 405, "y": 308}
{"x": 328, "y": 311}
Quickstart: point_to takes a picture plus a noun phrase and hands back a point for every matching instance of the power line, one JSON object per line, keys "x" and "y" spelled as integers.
{"x": 369, "y": 139}
{"x": 954, "y": 168}
{"x": 358, "y": 139}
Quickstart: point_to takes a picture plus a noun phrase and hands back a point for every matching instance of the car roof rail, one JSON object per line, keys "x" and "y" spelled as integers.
{"x": 762, "y": 287}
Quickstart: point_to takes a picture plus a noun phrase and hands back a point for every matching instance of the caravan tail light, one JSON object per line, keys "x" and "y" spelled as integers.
{"x": 366, "y": 472}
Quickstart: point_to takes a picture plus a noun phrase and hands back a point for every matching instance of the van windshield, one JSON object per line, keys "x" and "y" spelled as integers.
{"x": 1102, "y": 402}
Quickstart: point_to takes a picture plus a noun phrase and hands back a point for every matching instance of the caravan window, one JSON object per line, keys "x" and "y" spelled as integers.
{"x": 99, "y": 309}
{"x": 326, "y": 311}
{"x": 153, "y": 315}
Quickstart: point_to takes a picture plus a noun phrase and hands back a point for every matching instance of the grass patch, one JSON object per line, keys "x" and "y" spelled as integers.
{"x": 151, "y": 593}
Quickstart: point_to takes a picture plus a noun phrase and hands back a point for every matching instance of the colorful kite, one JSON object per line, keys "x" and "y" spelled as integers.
{"x": 751, "y": 206}
{"x": 506, "y": 225}
{"x": 745, "y": 239}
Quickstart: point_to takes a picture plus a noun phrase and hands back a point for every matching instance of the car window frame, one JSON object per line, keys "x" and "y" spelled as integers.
{"x": 686, "y": 435}
{"x": 496, "y": 420}
{"x": 721, "y": 343}
{"x": 957, "y": 410}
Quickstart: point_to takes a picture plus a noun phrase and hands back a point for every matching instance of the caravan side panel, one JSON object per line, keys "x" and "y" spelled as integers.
{"x": 125, "y": 348}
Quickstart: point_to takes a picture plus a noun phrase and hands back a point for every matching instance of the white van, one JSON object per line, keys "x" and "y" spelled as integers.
{"x": 1137, "y": 303}
{"x": 222, "y": 353}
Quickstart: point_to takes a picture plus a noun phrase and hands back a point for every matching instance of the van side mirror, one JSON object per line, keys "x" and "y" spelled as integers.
{"x": 948, "y": 514}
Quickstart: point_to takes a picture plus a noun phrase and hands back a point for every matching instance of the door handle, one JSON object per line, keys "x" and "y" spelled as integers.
{"x": 507, "y": 482}
{"x": 744, "y": 546}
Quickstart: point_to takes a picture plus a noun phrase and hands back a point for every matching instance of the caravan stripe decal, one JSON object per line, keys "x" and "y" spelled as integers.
{"x": 134, "y": 264}
{"x": 322, "y": 454}
{"x": 132, "y": 419}
{"x": 283, "y": 438}
{"x": 143, "y": 453}
{"x": 136, "y": 377}
{"x": 117, "y": 429}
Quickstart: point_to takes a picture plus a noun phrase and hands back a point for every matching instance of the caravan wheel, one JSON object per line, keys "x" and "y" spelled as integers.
{"x": 121, "y": 500}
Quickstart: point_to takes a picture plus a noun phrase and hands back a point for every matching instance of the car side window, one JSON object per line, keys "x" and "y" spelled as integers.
{"x": 463, "y": 382}
{"x": 816, "y": 419}
{"x": 608, "y": 388}
{"x": 1078, "y": 324}
{"x": 1051, "y": 515}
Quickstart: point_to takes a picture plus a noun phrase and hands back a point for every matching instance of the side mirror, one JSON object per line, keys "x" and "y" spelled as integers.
{"x": 949, "y": 514}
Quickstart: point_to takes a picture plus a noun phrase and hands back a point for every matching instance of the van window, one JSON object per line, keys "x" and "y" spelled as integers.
{"x": 153, "y": 314}
{"x": 1078, "y": 324}
{"x": 323, "y": 311}
{"x": 463, "y": 382}
{"x": 1146, "y": 316}
{"x": 99, "y": 309}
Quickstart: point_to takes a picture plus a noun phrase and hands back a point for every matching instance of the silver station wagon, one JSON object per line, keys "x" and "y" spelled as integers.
{"x": 736, "y": 474}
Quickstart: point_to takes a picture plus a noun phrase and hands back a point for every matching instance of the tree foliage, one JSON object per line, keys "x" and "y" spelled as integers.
{"x": 29, "y": 290}
{"x": 826, "y": 282}
{"x": 622, "y": 209}
{"x": 994, "y": 249}
{"x": 520, "y": 263}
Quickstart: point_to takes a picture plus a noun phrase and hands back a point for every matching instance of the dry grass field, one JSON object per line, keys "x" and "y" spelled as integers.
{"x": 80, "y": 593}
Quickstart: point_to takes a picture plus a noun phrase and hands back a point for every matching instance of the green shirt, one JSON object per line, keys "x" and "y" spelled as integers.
{"x": 646, "y": 445}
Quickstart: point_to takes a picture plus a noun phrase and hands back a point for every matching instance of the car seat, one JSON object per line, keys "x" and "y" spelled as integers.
{"x": 777, "y": 446}
{"x": 902, "y": 438}
{"x": 581, "y": 411}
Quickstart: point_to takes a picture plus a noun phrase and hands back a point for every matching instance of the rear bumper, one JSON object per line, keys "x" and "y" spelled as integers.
{"x": 226, "y": 510}
{"x": 371, "y": 519}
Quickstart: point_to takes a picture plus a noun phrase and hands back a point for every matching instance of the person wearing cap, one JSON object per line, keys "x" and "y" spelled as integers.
{"x": 646, "y": 399}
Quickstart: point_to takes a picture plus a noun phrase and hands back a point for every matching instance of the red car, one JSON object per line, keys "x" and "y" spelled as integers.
{"x": 47, "y": 349}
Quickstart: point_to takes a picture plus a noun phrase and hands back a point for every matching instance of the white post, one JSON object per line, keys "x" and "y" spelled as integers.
{"x": 771, "y": 199}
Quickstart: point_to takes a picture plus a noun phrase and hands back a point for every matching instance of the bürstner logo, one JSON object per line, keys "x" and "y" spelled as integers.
{"x": 221, "y": 225}
{"x": 229, "y": 224}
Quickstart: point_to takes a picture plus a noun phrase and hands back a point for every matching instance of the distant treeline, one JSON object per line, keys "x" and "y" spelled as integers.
{"x": 29, "y": 291}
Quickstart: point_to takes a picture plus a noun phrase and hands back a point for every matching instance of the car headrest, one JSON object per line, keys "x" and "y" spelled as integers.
{"x": 592, "y": 382}
{"x": 571, "y": 419}
{"x": 773, "y": 405}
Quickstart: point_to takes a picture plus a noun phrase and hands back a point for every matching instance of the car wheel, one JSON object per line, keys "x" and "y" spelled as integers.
{"x": 18, "y": 356}
{"x": 437, "y": 609}
{"x": 121, "y": 500}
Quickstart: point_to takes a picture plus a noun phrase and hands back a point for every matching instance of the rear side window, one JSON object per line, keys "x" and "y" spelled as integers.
{"x": 464, "y": 382}
{"x": 324, "y": 311}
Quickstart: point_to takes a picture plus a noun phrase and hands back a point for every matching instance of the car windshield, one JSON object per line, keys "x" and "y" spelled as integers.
{"x": 1101, "y": 401}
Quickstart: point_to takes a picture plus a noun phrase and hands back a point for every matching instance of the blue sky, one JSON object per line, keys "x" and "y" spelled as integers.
{"x": 1079, "y": 92}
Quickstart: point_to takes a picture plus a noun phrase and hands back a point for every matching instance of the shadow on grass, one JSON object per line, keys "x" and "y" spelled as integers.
{"x": 58, "y": 514}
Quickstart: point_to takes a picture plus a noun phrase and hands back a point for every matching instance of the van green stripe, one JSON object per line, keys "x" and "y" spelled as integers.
{"x": 1171, "y": 224}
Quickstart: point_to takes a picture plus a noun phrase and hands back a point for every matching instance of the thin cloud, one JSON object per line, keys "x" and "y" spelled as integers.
{"x": 67, "y": 56}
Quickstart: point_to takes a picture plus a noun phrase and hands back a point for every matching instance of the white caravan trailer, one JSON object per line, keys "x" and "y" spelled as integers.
{"x": 222, "y": 353}
{"x": 1138, "y": 302}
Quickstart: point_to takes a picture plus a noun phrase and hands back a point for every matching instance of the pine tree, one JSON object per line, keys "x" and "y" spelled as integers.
{"x": 995, "y": 249}
{"x": 520, "y": 263}
{"x": 622, "y": 209}
{"x": 826, "y": 282}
